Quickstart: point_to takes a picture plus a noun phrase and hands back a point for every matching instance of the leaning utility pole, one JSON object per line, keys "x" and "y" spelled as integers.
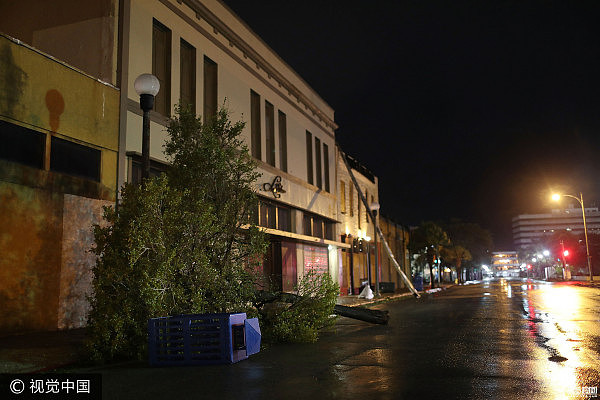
{"x": 378, "y": 229}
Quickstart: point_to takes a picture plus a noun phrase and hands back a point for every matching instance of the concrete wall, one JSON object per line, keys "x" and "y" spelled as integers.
{"x": 47, "y": 217}
{"x": 81, "y": 34}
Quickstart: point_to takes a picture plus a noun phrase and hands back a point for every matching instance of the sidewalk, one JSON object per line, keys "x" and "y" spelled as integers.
{"x": 47, "y": 351}
{"x": 355, "y": 301}
{"x": 40, "y": 351}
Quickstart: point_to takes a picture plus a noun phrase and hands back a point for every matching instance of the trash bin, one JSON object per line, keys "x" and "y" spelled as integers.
{"x": 200, "y": 339}
{"x": 418, "y": 282}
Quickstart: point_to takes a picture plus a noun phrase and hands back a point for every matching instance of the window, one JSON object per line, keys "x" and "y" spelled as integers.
{"x": 161, "y": 66}
{"x": 255, "y": 124}
{"x": 210, "y": 88}
{"x": 273, "y": 215}
{"x": 358, "y": 201}
{"x": 22, "y": 145}
{"x": 156, "y": 168}
{"x": 326, "y": 166}
{"x": 328, "y": 230}
{"x": 343, "y": 196}
{"x": 268, "y": 216}
{"x": 309, "y": 158}
{"x": 284, "y": 219}
{"x": 366, "y": 211}
{"x": 270, "y": 132}
{"x": 187, "y": 76}
{"x": 307, "y": 222}
{"x": 318, "y": 227}
{"x": 282, "y": 142}
{"x": 74, "y": 159}
{"x": 318, "y": 160}
{"x": 351, "y": 197}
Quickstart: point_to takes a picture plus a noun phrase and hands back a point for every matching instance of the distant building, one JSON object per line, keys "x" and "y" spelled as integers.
{"x": 529, "y": 229}
{"x": 397, "y": 237}
{"x": 506, "y": 263}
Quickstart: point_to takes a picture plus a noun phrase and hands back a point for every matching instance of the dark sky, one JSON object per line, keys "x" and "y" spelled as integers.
{"x": 467, "y": 109}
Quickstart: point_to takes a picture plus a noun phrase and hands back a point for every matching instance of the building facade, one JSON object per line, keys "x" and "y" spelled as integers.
{"x": 357, "y": 230}
{"x": 506, "y": 264}
{"x": 58, "y": 167}
{"x": 531, "y": 229}
{"x": 205, "y": 57}
{"x": 397, "y": 237}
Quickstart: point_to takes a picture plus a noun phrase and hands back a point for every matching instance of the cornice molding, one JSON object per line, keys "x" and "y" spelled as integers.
{"x": 256, "y": 61}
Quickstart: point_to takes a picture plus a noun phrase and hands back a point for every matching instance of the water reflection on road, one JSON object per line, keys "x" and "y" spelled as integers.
{"x": 562, "y": 320}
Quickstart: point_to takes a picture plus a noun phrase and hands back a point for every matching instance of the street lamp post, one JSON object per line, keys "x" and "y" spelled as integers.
{"x": 374, "y": 208}
{"x": 556, "y": 197}
{"x": 147, "y": 86}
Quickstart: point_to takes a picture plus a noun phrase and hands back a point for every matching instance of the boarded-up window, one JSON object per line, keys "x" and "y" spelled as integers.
{"x": 187, "y": 77}
{"x": 282, "y": 142}
{"x": 161, "y": 66}
{"x": 255, "y": 124}
{"x": 309, "y": 158}
{"x": 270, "y": 132}
{"x": 210, "y": 88}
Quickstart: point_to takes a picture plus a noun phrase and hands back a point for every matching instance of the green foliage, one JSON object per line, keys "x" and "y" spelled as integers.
{"x": 310, "y": 311}
{"x": 471, "y": 236}
{"x": 180, "y": 243}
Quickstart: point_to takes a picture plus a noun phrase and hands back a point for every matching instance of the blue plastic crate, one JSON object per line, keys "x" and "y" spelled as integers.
{"x": 201, "y": 339}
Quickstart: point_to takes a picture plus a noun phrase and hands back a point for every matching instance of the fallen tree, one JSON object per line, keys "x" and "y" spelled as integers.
{"x": 360, "y": 313}
{"x": 363, "y": 314}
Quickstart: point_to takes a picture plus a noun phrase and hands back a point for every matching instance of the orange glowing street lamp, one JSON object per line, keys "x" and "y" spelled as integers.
{"x": 556, "y": 197}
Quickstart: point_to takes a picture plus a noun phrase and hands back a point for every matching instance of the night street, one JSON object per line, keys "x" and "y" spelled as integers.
{"x": 500, "y": 339}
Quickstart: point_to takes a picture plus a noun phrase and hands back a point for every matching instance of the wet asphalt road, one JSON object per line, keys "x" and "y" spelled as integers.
{"x": 492, "y": 340}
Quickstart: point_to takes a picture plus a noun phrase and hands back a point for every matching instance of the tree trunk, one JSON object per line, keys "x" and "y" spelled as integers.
{"x": 363, "y": 314}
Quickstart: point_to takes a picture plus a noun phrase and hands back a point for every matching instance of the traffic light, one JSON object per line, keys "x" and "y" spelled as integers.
{"x": 566, "y": 253}
{"x": 528, "y": 266}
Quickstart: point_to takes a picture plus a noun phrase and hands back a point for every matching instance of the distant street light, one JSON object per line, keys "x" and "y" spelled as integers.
{"x": 556, "y": 197}
{"x": 147, "y": 86}
{"x": 374, "y": 208}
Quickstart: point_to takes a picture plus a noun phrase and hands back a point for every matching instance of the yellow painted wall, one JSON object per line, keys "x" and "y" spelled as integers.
{"x": 46, "y": 95}
{"x": 46, "y": 230}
